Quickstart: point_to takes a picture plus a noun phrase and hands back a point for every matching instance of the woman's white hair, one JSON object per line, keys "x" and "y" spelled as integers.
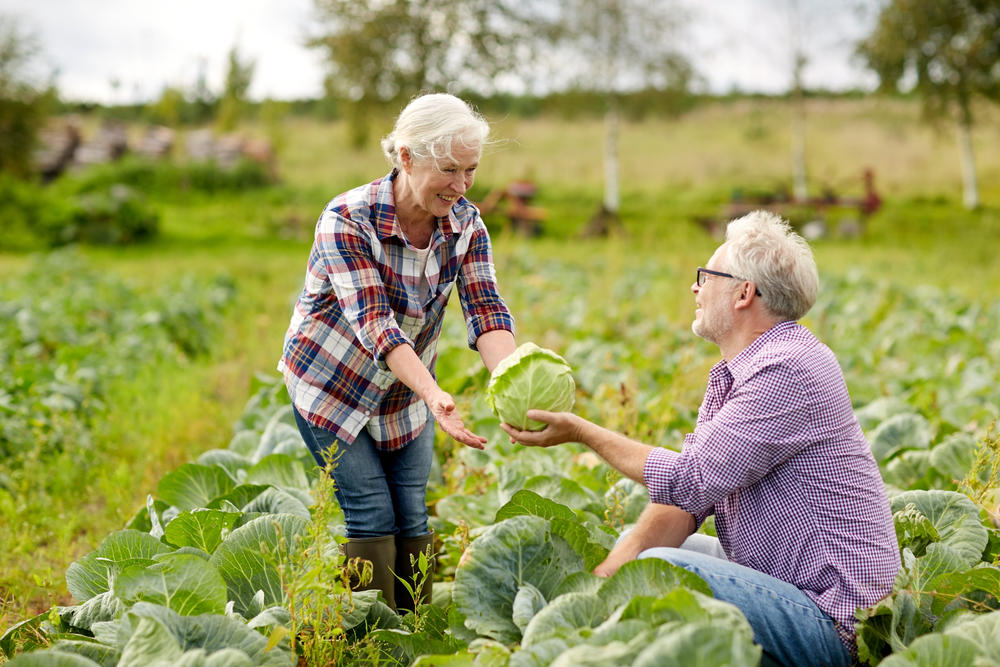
{"x": 429, "y": 127}
{"x": 763, "y": 248}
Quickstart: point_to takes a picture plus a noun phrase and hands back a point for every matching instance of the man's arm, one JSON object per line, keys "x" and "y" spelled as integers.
{"x": 624, "y": 454}
{"x": 658, "y": 526}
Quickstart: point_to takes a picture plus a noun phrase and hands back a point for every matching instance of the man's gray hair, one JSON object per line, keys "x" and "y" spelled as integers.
{"x": 763, "y": 248}
{"x": 430, "y": 125}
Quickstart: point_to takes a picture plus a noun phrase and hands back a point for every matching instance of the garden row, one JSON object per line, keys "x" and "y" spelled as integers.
{"x": 67, "y": 329}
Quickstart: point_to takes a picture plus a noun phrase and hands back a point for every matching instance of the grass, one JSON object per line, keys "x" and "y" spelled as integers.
{"x": 673, "y": 172}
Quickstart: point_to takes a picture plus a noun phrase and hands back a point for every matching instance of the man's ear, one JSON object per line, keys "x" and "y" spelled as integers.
{"x": 747, "y": 292}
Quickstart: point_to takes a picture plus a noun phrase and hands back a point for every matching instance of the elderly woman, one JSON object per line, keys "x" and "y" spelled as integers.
{"x": 360, "y": 350}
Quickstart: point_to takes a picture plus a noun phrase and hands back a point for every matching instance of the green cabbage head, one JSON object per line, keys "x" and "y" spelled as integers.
{"x": 530, "y": 378}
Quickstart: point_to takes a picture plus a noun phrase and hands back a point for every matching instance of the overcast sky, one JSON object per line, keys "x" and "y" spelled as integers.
{"x": 119, "y": 51}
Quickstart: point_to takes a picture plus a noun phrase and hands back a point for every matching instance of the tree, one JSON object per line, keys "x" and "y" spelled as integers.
{"x": 239, "y": 76}
{"x": 951, "y": 50}
{"x": 23, "y": 104}
{"x": 383, "y": 51}
{"x": 612, "y": 47}
{"x": 800, "y": 187}
{"x": 169, "y": 109}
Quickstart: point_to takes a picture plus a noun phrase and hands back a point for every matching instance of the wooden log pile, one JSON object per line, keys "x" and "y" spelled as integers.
{"x": 57, "y": 143}
{"x": 62, "y": 146}
{"x": 157, "y": 143}
{"x": 109, "y": 144}
{"x": 228, "y": 149}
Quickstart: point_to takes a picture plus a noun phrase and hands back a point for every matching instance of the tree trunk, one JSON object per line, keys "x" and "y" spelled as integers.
{"x": 970, "y": 189}
{"x": 799, "y": 188}
{"x": 612, "y": 198}
{"x": 606, "y": 220}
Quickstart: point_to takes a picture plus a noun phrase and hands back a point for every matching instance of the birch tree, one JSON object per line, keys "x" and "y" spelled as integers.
{"x": 950, "y": 50}
{"x": 239, "y": 76}
{"x": 611, "y": 47}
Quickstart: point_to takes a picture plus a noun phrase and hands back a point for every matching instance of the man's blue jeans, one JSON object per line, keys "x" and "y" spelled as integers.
{"x": 786, "y": 623}
{"x": 381, "y": 493}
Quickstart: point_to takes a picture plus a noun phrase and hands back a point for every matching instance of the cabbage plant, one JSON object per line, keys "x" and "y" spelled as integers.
{"x": 532, "y": 377}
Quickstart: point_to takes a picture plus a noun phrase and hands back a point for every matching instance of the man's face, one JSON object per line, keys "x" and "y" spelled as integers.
{"x": 714, "y": 318}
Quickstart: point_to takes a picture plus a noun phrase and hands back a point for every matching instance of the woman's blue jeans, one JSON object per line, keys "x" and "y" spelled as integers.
{"x": 381, "y": 493}
{"x": 786, "y": 623}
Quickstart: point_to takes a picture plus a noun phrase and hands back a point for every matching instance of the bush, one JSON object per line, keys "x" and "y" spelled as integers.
{"x": 158, "y": 180}
{"x": 34, "y": 217}
{"x": 22, "y": 206}
{"x": 116, "y": 216}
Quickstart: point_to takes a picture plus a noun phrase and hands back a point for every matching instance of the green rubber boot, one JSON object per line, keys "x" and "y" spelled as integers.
{"x": 381, "y": 552}
{"x": 405, "y": 548}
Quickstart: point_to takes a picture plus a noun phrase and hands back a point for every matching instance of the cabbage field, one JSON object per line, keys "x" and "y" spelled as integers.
{"x": 233, "y": 559}
{"x": 157, "y": 506}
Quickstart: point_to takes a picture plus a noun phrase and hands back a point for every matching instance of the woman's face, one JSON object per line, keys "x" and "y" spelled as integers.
{"x": 433, "y": 188}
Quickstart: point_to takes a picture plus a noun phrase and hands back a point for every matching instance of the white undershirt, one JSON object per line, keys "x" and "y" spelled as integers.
{"x": 422, "y": 255}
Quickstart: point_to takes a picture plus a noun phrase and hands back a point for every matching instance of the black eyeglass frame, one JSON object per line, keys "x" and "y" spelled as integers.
{"x": 702, "y": 271}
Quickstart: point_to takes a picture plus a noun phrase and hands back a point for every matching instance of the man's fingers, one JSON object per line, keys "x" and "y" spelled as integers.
{"x": 540, "y": 415}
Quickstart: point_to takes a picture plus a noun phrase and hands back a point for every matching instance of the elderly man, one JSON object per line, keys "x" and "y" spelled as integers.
{"x": 805, "y": 535}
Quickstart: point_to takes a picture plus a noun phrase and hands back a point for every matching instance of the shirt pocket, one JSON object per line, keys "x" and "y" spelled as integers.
{"x": 441, "y": 293}
{"x": 383, "y": 378}
{"x": 411, "y": 325}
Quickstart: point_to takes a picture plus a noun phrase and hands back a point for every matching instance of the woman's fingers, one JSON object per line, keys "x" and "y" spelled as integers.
{"x": 452, "y": 424}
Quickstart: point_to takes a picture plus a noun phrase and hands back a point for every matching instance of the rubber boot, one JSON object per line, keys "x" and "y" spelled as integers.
{"x": 405, "y": 548}
{"x": 381, "y": 551}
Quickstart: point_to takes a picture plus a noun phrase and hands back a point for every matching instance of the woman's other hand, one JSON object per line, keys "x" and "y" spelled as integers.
{"x": 442, "y": 407}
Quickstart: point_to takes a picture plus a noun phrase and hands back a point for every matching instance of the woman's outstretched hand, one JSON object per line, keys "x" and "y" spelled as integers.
{"x": 442, "y": 407}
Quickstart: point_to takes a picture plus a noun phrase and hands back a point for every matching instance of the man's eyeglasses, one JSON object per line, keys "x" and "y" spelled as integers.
{"x": 704, "y": 273}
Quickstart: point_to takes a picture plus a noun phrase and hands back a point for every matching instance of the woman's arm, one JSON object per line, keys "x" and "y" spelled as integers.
{"x": 494, "y": 346}
{"x": 407, "y": 366}
{"x": 483, "y": 308}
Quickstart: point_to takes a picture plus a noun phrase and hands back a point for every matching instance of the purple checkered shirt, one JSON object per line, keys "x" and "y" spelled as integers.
{"x": 364, "y": 295}
{"x": 779, "y": 458}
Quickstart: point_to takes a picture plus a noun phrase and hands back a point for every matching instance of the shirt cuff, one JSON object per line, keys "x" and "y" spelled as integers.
{"x": 659, "y": 474}
{"x": 477, "y": 326}
{"x": 387, "y": 340}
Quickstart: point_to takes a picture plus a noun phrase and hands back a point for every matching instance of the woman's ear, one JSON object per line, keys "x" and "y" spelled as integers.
{"x": 405, "y": 159}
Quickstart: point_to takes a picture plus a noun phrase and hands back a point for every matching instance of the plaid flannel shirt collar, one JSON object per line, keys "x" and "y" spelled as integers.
{"x": 385, "y": 213}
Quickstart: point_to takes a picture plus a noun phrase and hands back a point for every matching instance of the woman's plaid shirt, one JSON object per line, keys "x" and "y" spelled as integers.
{"x": 363, "y": 297}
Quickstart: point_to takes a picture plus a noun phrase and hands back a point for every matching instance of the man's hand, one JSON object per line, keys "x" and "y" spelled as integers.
{"x": 620, "y": 554}
{"x": 560, "y": 427}
{"x": 442, "y": 406}
{"x": 657, "y": 526}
